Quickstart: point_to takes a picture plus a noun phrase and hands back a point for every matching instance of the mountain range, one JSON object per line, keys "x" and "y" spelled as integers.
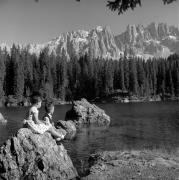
{"x": 154, "y": 40}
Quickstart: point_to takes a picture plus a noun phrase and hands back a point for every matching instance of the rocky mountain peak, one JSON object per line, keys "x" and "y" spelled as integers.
{"x": 153, "y": 30}
{"x": 153, "y": 40}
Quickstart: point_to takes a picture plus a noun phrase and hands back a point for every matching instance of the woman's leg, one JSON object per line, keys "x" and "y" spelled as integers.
{"x": 54, "y": 133}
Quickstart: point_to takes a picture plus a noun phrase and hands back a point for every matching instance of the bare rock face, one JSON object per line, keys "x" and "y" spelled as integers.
{"x": 98, "y": 42}
{"x": 2, "y": 119}
{"x": 135, "y": 165}
{"x": 35, "y": 157}
{"x": 154, "y": 40}
{"x": 68, "y": 126}
{"x": 83, "y": 112}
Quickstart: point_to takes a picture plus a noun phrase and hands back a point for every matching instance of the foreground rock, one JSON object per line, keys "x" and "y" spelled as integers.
{"x": 83, "y": 112}
{"x": 68, "y": 126}
{"x": 2, "y": 119}
{"x": 133, "y": 165}
{"x": 35, "y": 157}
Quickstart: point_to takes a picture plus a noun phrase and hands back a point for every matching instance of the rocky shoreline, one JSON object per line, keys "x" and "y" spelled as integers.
{"x": 13, "y": 102}
{"x": 30, "y": 156}
{"x": 140, "y": 164}
{"x": 34, "y": 156}
{"x": 134, "y": 99}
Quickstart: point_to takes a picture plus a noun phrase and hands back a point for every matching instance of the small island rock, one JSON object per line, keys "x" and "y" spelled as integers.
{"x": 82, "y": 112}
{"x": 34, "y": 156}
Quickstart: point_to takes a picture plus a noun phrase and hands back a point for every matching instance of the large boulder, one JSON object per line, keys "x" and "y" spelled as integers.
{"x": 2, "y": 119}
{"x": 68, "y": 126}
{"x": 135, "y": 165}
{"x": 82, "y": 112}
{"x": 32, "y": 156}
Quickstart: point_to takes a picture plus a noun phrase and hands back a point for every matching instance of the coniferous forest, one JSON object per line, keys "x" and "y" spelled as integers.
{"x": 22, "y": 73}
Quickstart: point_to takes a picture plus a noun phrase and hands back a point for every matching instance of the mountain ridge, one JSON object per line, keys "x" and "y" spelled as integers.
{"x": 154, "y": 40}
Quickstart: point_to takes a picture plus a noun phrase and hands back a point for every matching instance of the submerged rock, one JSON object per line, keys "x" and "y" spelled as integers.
{"x": 2, "y": 119}
{"x": 83, "y": 112}
{"x": 35, "y": 157}
{"x": 136, "y": 165}
{"x": 68, "y": 126}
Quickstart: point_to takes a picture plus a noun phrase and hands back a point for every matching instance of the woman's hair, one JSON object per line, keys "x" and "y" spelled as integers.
{"x": 49, "y": 106}
{"x": 35, "y": 99}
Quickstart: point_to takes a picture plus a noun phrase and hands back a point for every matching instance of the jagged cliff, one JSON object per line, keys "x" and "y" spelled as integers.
{"x": 154, "y": 40}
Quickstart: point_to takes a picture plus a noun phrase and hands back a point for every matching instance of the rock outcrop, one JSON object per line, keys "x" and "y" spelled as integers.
{"x": 132, "y": 165}
{"x": 83, "y": 112}
{"x": 35, "y": 157}
{"x": 2, "y": 119}
{"x": 155, "y": 40}
{"x": 68, "y": 126}
{"x": 98, "y": 42}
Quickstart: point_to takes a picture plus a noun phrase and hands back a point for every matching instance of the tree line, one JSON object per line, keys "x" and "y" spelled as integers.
{"x": 22, "y": 73}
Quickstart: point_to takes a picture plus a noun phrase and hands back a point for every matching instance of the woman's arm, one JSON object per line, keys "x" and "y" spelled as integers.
{"x": 36, "y": 118}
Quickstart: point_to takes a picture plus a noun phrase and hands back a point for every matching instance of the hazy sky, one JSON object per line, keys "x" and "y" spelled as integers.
{"x": 25, "y": 21}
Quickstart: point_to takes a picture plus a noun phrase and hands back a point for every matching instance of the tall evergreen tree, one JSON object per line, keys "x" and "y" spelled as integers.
{"x": 140, "y": 76}
{"x": 2, "y": 73}
{"x": 121, "y": 75}
{"x": 126, "y": 73}
{"x": 18, "y": 75}
{"x": 62, "y": 81}
{"x": 28, "y": 72}
{"x": 133, "y": 84}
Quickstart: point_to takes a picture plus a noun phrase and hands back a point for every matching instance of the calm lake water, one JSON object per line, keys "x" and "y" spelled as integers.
{"x": 152, "y": 125}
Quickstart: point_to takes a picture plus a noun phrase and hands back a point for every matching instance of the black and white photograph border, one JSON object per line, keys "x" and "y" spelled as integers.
{"x": 89, "y": 89}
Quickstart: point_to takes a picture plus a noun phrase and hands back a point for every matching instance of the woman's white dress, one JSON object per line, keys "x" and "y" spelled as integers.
{"x": 37, "y": 128}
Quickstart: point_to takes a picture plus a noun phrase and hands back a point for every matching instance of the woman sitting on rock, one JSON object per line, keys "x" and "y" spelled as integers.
{"x": 32, "y": 119}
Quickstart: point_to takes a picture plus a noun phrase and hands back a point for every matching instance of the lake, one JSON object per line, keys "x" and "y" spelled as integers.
{"x": 153, "y": 125}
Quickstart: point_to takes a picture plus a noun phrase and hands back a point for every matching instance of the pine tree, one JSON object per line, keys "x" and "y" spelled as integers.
{"x": 52, "y": 73}
{"x": 18, "y": 76}
{"x": 140, "y": 76}
{"x": 154, "y": 76}
{"x": 133, "y": 85}
{"x": 161, "y": 77}
{"x": 2, "y": 73}
{"x": 36, "y": 73}
{"x": 121, "y": 75}
{"x": 9, "y": 79}
{"x": 176, "y": 81}
{"x": 126, "y": 73}
{"x": 62, "y": 81}
{"x": 46, "y": 85}
{"x": 28, "y": 72}
{"x": 108, "y": 77}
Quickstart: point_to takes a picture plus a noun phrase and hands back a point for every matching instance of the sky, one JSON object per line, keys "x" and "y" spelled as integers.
{"x": 26, "y": 21}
